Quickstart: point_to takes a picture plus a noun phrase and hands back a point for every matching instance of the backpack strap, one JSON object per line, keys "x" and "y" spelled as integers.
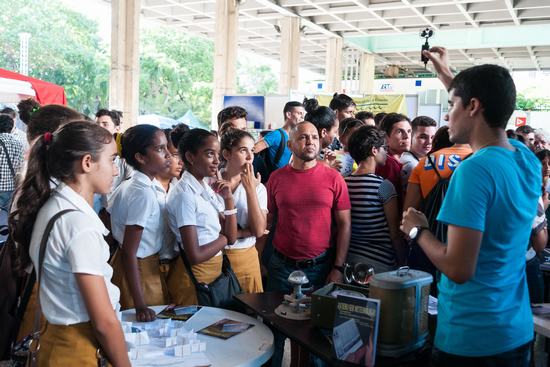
{"x": 280, "y": 148}
{"x": 38, "y": 272}
{"x": 10, "y": 164}
{"x": 433, "y": 165}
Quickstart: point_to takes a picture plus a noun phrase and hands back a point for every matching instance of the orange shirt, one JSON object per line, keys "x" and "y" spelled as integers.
{"x": 446, "y": 161}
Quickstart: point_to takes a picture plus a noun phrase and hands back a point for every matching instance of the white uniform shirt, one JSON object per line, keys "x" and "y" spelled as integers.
{"x": 192, "y": 203}
{"x": 137, "y": 201}
{"x": 169, "y": 244}
{"x": 75, "y": 245}
{"x": 239, "y": 196}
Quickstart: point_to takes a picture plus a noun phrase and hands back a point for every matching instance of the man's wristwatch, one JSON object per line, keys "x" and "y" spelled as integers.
{"x": 414, "y": 233}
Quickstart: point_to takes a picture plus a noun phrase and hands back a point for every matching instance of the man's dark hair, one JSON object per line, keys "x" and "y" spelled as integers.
{"x": 493, "y": 86}
{"x": 362, "y": 141}
{"x": 422, "y": 121}
{"x": 231, "y": 112}
{"x": 378, "y": 118}
{"x": 364, "y": 115}
{"x": 511, "y": 134}
{"x": 113, "y": 114}
{"x": 340, "y": 102}
{"x": 289, "y": 106}
{"x": 525, "y": 129}
{"x": 9, "y": 111}
{"x": 391, "y": 119}
{"x": 6, "y": 124}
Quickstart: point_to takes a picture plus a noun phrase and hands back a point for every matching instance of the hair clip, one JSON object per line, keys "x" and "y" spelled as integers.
{"x": 48, "y": 138}
{"x": 34, "y": 109}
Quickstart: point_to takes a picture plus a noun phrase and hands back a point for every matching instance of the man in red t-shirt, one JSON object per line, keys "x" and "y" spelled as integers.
{"x": 310, "y": 200}
{"x": 398, "y": 135}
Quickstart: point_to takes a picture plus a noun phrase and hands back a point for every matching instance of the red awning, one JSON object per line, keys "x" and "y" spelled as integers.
{"x": 46, "y": 93}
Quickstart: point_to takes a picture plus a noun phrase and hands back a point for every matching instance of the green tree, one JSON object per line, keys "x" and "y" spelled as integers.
{"x": 64, "y": 49}
{"x": 176, "y": 74}
{"x": 256, "y": 79}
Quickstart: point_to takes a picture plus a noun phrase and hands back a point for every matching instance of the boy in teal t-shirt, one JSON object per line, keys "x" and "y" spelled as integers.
{"x": 484, "y": 316}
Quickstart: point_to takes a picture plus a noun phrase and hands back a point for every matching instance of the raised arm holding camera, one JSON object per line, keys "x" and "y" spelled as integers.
{"x": 484, "y": 316}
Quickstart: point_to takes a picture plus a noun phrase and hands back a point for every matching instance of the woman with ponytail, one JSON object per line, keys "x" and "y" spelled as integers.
{"x": 76, "y": 295}
{"x": 138, "y": 223}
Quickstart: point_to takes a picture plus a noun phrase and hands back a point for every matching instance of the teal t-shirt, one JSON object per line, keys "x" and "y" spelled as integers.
{"x": 273, "y": 140}
{"x": 496, "y": 192}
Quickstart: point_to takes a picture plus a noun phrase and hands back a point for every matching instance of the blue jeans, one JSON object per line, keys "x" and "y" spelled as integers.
{"x": 518, "y": 357}
{"x": 277, "y": 280}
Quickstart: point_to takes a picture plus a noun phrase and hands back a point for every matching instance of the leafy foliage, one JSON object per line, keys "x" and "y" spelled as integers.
{"x": 64, "y": 49}
{"x": 176, "y": 70}
{"x": 532, "y": 104}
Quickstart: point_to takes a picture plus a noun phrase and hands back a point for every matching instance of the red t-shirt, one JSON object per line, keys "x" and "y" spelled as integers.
{"x": 391, "y": 171}
{"x": 304, "y": 202}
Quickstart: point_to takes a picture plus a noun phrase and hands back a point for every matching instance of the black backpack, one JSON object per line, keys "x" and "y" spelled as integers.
{"x": 432, "y": 205}
{"x": 262, "y": 161}
{"x": 15, "y": 291}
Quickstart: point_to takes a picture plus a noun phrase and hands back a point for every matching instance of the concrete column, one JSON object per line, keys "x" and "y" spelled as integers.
{"x": 225, "y": 58}
{"x": 333, "y": 68}
{"x": 290, "y": 55}
{"x": 124, "y": 79}
{"x": 366, "y": 73}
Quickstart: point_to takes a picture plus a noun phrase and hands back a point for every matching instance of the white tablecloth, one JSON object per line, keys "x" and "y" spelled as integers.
{"x": 251, "y": 348}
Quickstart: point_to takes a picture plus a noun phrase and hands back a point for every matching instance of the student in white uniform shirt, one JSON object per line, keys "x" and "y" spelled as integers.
{"x": 250, "y": 198}
{"x": 138, "y": 222}
{"x": 168, "y": 180}
{"x": 77, "y": 297}
{"x": 203, "y": 222}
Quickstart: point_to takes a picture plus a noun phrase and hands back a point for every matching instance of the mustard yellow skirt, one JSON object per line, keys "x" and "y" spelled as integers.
{"x": 153, "y": 285}
{"x": 68, "y": 345}
{"x": 246, "y": 266}
{"x": 180, "y": 286}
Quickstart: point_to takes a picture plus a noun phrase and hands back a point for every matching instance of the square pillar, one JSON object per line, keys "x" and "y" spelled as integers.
{"x": 333, "y": 68}
{"x": 290, "y": 55}
{"x": 366, "y": 74}
{"x": 225, "y": 54}
{"x": 124, "y": 78}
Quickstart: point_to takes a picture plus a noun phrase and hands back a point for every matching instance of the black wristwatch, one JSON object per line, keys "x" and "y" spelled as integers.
{"x": 340, "y": 268}
{"x": 414, "y": 233}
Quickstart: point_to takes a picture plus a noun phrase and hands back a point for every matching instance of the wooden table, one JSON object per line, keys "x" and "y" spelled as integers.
{"x": 542, "y": 323}
{"x": 309, "y": 336}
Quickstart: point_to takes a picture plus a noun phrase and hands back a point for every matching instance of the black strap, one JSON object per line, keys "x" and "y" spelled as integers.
{"x": 433, "y": 165}
{"x": 280, "y": 148}
{"x": 414, "y": 156}
{"x": 38, "y": 273}
{"x": 188, "y": 265}
{"x": 8, "y": 158}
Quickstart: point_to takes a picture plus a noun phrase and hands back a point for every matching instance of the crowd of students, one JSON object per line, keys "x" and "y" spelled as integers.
{"x": 342, "y": 184}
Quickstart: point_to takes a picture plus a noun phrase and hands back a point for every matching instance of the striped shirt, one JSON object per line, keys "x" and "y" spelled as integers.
{"x": 370, "y": 236}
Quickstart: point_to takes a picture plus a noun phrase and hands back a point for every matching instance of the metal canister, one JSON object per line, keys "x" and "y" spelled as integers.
{"x": 403, "y": 296}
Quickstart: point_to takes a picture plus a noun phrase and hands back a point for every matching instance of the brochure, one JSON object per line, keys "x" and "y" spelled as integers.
{"x": 182, "y": 313}
{"x": 356, "y": 329}
{"x": 225, "y": 328}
